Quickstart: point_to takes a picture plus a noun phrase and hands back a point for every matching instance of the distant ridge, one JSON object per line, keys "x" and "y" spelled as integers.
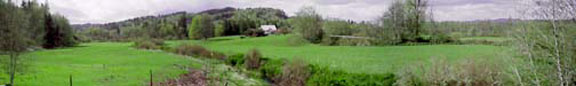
{"x": 219, "y": 14}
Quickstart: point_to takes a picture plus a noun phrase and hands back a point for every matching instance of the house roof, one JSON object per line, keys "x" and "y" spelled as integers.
{"x": 268, "y": 27}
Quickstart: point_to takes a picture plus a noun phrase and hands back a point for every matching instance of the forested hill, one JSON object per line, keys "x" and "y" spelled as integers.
{"x": 181, "y": 19}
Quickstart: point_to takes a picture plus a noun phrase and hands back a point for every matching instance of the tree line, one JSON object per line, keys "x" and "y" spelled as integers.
{"x": 405, "y": 22}
{"x": 181, "y": 25}
{"x": 27, "y": 27}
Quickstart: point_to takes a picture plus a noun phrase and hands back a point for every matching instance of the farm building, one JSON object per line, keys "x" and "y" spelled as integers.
{"x": 268, "y": 29}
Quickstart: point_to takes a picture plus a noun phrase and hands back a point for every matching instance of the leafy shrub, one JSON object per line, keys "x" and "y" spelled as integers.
{"x": 254, "y": 33}
{"x": 439, "y": 39}
{"x": 150, "y": 44}
{"x": 296, "y": 73}
{"x": 253, "y": 59}
{"x": 235, "y": 60}
{"x": 271, "y": 69}
{"x": 191, "y": 50}
{"x": 323, "y": 76}
{"x": 198, "y": 51}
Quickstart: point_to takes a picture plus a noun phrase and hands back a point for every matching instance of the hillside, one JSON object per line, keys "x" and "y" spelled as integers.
{"x": 182, "y": 17}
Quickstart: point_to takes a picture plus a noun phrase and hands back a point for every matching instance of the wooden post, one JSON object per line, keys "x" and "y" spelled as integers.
{"x": 70, "y": 79}
{"x": 151, "y": 79}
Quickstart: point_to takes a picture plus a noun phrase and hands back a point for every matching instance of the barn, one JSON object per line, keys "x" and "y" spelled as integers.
{"x": 268, "y": 29}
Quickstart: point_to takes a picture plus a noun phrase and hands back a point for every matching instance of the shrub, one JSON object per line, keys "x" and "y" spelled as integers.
{"x": 440, "y": 38}
{"x": 297, "y": 73}
{"x": 271, "y": 70}
{"x": 253, "y": 59}
{"x": 235, "y": 60}
{"x": 254, "y": 33}
{"x": 149, "y": 44}
{"x": 294, "y": 73}
{"x": 190, "y": 50}
{"x": 442, "y": 73}
{"x": 323, "y": 76}
{"x": 198, "y": 51}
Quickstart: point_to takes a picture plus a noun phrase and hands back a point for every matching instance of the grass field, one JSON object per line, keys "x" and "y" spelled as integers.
{"x": 117, "y": 64}
{"x": 374, "y": 59}
{"x": 100, "y": 64}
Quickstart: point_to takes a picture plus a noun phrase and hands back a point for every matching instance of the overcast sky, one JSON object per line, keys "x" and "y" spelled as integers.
{"x": 102, "y": 11}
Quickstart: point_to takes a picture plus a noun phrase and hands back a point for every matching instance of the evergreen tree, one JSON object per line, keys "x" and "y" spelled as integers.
{"x": 58, "y": 32}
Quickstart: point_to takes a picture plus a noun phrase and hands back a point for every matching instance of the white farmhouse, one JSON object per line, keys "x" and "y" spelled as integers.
{"x": 268, "y": 29}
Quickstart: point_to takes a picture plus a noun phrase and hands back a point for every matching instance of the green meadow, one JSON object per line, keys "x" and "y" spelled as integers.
{"x": 370, "y": 59}
{"x": 100, "y": 64}
{"x": 118, "y": 64}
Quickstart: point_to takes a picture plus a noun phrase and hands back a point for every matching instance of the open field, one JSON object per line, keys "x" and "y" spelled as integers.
{"x": 96, "y": 64}
{"x": 100, "y": 64}
{"x": 354, "y": 59}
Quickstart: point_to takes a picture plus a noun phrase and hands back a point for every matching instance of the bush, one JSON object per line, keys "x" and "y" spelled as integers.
{"x": 191, "y": 50}
{"x": 439, "y": 39}
{"x": 198, "y": 51}
{"x": 254, "y": 33}
{"x": 253, "y": 59}
{"x": 271, "y": 69}
{"x": 295, "y": 73}
{"x": 235, "y": 60}
{"x": 323, "y": 76}
{"x": 153, "y": 44}
{"x": 443, "y": 73}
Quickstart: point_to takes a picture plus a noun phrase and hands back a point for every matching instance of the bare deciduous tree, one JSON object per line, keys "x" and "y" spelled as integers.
{"x": 551, "y": 41}
{"x": 308, "y": 24}
{"x": 406, "y": 18}
{"x": 13, "y": 40}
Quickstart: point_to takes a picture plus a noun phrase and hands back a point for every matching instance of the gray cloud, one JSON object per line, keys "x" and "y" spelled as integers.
{"x": 476, "y": 10}
{"x": 334, "y": 2}
{"x": 459, "y": 2}
{"x": 102, "y": 11}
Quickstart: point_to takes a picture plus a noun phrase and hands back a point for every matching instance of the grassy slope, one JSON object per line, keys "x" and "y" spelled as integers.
{"x": 352, "y": 59}
{"x": 100, "y": 64}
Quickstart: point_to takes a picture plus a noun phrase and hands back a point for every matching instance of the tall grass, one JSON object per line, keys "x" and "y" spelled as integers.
{"x": 440, "y": 72}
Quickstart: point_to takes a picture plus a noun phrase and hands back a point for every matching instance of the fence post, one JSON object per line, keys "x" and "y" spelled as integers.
{"x": 151, "y": 79}
{"x": 70, "y": 79}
